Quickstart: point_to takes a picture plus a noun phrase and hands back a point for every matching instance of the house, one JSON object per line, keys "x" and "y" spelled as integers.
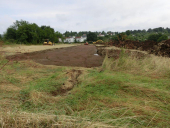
{"x": 81, "y": 39}
{"x": 59, "y": 40}
{"x": 84, "y": 37}
{"x": 111, "y": 33}
{"x": 100, "y": 35}
{"x": 78, "y": 39}
{"x": 69, "y": 39}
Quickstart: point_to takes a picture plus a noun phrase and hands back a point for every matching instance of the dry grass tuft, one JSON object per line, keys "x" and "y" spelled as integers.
{"x": 9, "y": 87}
{"x": 22, "y": 119}
{"x": 42, "y": 97}
{"x": 149, "y": 65}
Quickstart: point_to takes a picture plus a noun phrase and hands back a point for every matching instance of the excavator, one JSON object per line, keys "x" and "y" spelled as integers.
{"x": 47, "y": 42}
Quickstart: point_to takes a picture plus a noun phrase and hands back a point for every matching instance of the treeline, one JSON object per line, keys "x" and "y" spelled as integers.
{"x": 156, "y": 34}
{"x": 128, "y": 32}
{"x": 150, "y": 34}
{"x": 30, "y": 33}
{"x": 71, "y": 33}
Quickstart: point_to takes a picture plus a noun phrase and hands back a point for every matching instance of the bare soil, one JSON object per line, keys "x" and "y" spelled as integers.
{"x": 77, "y": 56}
{"x": 160, "y": 49}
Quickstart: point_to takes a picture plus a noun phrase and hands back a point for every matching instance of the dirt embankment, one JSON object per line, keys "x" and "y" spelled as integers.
{"x": 72, "y": 81}
{"x": 115, "y": 52}
{"x": 77, "y": 56}
{"x": 160, "y": 49}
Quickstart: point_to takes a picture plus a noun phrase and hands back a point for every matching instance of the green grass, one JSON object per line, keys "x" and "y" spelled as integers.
{"x": 120, "y": 90}
{"x": 113, "y": 94}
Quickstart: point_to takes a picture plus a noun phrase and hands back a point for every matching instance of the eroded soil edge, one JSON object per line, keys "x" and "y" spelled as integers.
{"x": 71, "y": 82}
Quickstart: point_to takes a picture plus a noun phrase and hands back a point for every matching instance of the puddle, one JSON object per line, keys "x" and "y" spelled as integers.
{"x": 96, "y": 54}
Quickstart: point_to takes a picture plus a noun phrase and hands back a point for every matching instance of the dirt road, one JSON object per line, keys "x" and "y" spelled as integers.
{"x": 78, "y": 56}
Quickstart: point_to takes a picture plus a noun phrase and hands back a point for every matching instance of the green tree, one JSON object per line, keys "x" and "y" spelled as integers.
{"x": 23, "y": 34}
{"x": 11, "y": 33}
{"x": 156, "y": 37}
{"x": 91, "y": 36}
{"x": 100, "y": 38}
{"x": 121, "y": 36}
{"x": 75, "y": 41}
{"x": 103, "y": 32}
{"x": 48, "y": 33}
{"x": 17, "y": 24}
{"x": 163, "y": 37}
{"x": 29, "y": 33}
{"x": 114, "y": 38}
{"x": 128, "y": 32}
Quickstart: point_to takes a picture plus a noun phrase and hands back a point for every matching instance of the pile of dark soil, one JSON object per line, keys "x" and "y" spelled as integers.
{"x": 161, "y": 49}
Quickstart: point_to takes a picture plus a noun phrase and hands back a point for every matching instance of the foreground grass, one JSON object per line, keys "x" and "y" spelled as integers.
{"x": 122, "y": 93}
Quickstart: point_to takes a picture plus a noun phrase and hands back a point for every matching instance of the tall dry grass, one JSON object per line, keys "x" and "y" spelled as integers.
{"x": 148, "y": 65}
{"x": 31, "y": 120}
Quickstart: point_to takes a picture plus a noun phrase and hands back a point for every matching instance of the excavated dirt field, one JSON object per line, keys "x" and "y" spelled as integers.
{"x": 78, "y": 56}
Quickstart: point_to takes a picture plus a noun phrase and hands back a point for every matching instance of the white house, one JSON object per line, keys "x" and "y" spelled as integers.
{"x": 100, "y": 35}
{"x": 72, "y": 39}
{"x": 81, "y": 39}
{"x": 59, "y": 40}
{"x": 69, "y": 39}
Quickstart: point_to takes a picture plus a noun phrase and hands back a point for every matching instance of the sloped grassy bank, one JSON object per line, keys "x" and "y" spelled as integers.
{"x": 124, "y": 92}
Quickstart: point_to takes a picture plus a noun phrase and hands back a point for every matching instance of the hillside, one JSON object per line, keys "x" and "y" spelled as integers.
{"x": 126, "y": 91}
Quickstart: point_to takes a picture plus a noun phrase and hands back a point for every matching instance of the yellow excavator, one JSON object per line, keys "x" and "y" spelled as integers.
{"x": 47, "y": 42}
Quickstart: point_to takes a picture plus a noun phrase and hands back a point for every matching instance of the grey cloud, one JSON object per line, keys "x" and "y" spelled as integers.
{"x": 90, "y": 15}
{"x": 62, "y": 17}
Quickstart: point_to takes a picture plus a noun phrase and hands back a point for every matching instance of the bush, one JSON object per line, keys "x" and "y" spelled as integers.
{"x": 157, "y": 37}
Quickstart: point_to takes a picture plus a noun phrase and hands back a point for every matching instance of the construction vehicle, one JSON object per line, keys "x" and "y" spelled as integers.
{"x": 47, "y": 42}
{"x": 86, "y": 43}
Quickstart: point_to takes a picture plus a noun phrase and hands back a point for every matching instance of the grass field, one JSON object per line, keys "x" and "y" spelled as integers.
{"x": 127, "y": 92}
{"x": 15, "y": 49}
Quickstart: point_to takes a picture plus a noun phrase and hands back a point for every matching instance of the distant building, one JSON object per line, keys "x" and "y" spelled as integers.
{"x": 59, "y": 39}
{"x": 81, "y": 39}
{"x": 100, "y": 35}
{"x": 111, "y": 33}
{"x": 84, "y": 36}
{"x": 69, "y": 40}
{"x": 78, "y": 39}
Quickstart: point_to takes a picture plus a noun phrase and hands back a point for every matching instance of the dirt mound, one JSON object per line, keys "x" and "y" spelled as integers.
{"x": 116, "y": 53}
{"x": 126, "y": 44}
{"x": 161, "y": 49}
{"x": 1, "y": 43}
{"x": 77, "y": 56}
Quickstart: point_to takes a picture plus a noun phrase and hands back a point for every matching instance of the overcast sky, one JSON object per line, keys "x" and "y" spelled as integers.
{"x": 87, "y": 15}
